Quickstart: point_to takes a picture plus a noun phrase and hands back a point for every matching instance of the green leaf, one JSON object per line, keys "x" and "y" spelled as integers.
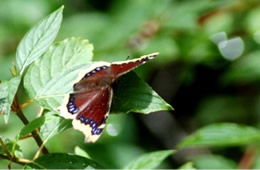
{"x": 150, "y": 160}
{"x": 222, "y": 134}
{"x": 8, "y": 90}
{"x": 38, "y": 39}
{"x": 53, "y": 125}
{"x": 63, "y": 161}
{"x": 51, "y": 77}
{"x": 81, "y": 152}
{"x": 188, "y": 165}
{"x": 11, "y": 146}
{"x": 131, "y": 94}
{"x": 36, "y": 123}
{"x": 213, "y": 162}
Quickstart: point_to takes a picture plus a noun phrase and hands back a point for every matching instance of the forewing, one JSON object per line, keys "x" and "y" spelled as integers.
{"x": 120, "y": 68}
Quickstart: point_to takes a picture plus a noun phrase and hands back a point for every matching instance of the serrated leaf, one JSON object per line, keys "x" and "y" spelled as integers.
{"x": 213, "y": 162}
{"x": 63, "y": 161}
{"x": 8, "y": 90}
{"x": 53, "y": 125}
{"x": 150, "y": 160}
{"x": 132, "y": 94}
{"x": 38, "y": 39}
{"x": 222, "y": 134}
{"x": 48, "y": 79}
{"x": 36, "y": 123}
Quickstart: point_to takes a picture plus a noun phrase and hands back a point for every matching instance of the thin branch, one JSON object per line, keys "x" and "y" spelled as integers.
{"x": 35, "y": 135}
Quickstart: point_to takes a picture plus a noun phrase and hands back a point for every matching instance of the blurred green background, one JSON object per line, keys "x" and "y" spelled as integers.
{"x": 208, "y": 69}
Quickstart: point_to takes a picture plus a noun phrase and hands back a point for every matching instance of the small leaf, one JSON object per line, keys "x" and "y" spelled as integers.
{"x": 53, "y": 125}
{"x": 81, "y": 152}
{"x": 222, "y": 134}
{"x": 51, "y": 77}
{"x": 8, "y": 90}
{"x": 134, "y": 95}
{"x": 36, "y": 123}
{"x": 38, "y": 39}
{"x": 188, "y": 165}
{"x": 150, "y": 160}
{"x": 213, "y": 162}
{"x": 12, "y": 147}
{"x": 63, "y": 161}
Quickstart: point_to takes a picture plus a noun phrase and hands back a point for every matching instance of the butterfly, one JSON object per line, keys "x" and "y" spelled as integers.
{"x": 90, "y": 102}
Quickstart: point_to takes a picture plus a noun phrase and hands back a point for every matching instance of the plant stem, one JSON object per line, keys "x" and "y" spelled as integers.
{"x": 25, "y": 121}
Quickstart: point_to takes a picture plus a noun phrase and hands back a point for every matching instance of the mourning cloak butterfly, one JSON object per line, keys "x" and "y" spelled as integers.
{"x": 90, "y": 102}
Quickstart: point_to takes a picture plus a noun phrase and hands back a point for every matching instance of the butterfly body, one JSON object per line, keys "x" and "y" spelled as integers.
{"x": 90, "y": 102}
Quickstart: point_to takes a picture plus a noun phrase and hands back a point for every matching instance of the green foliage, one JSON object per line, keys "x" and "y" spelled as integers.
{"x": 38, "y": 39}
{"x": 63, "y": 161}
{"x": 192, "y": 73}
{"x": 8, "y": 90}
{"x": 149, "y": 160}
{"x": 214, "y": 162}
{"x": 222, "y": 134}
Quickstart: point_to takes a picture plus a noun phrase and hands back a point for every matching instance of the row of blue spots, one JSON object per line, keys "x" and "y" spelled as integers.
{"x": 93, "y": 125}
{"x": 71, "y": 106}
{"x": 95, "y": 70}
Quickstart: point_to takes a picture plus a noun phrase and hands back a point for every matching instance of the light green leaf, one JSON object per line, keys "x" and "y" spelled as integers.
{"x": 150, "y": 160}
{"x": 8, "y": 90}
{"x": 63, "y": 161}
{"x": 81, "y": 152}
{"x": 188, "y": 165}
{"x": 36, "y": 123}
{"x": 213, "y": 162}
{"x": 38, "y": 39}
{"x": 53, "y": 125}
{"x": 222, "y": 134}
{"x": 131, "y": 94}
{"x": 51, "y": 77}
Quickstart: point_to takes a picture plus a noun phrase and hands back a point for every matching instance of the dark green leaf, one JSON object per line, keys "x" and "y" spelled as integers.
{"x": 51, "y": 77}
{"x": 7, "y": 92}
{"x": 38, "y": 39}
{"x": 133, "y": 95}
{"x": 64, "y": 161}
{"x": 222, "y": 134}
{"x": 150, "y": 160}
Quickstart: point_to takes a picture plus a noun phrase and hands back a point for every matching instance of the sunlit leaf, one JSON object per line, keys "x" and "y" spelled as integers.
{"x": 53, "y": 125}
{"x": 38, "y": 39}
{"x": 51, "y": 77}
{"x": 63, "y": 161}
{"x": 150, "y": 160}
{"x": 222, "y": 134}
{"x": 8, "y": 90}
